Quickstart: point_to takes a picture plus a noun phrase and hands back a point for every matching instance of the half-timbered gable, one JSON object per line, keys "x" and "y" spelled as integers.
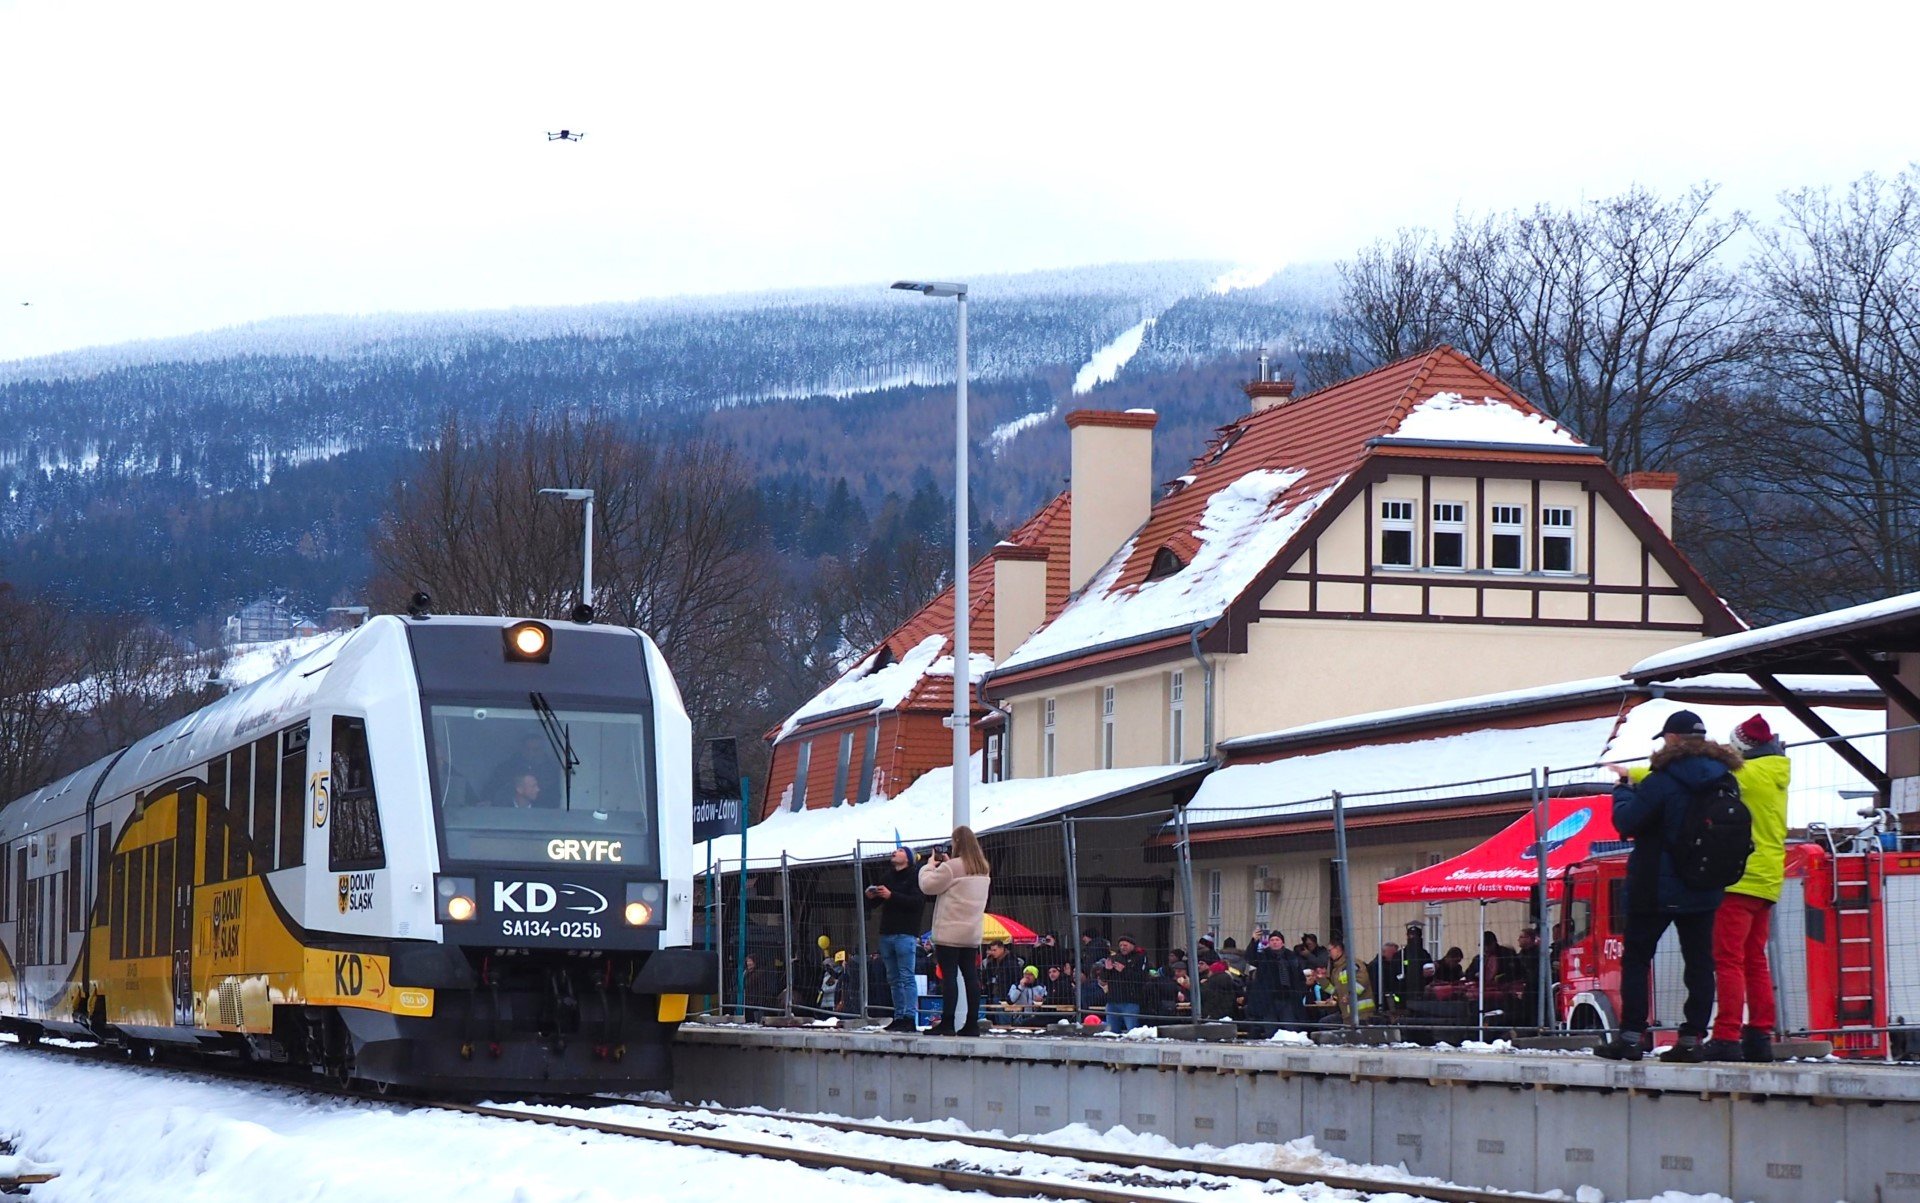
{"x": 1417, "y": 533}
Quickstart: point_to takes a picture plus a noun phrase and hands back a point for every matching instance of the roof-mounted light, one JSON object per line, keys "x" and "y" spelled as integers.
{"x": 528, "y": 642}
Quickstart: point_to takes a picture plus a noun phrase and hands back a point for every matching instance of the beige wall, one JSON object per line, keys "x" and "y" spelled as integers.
{"x": 1307, "y": 670}
{"x": 1300, "y": 670}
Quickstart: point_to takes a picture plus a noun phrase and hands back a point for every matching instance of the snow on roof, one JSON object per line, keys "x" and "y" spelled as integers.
{"x": 1818, "y": 772}
{"x": 1243, "y": 528}
{"x": 874, "y": 689}
{"x": 920, "y": 814}
{"x": 1708, "y": 651}
{"x": 251, "y": 661}
{"x": 1452, "y": 418}
{"x": 1477, "y": 764}
{"x": 1450, "y": 767}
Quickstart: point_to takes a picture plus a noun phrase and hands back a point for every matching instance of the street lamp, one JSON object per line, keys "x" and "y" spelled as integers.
{"x": 584, "y": 611}
{"x": 961, "y": 720}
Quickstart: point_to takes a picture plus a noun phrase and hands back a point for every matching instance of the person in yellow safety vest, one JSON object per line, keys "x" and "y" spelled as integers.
{"x": 1361, "y": 1006}
{"x": 1744, "y": 1021}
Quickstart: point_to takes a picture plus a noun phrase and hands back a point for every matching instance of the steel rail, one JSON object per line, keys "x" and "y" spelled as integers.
{"x": 1439, "y": 1194}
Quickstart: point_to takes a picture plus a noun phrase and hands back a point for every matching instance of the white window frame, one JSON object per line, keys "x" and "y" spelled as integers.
{"x": 1106, "y": 726}
{"x": 1176, "y": 716}
{"x": 1552, "y": 532}
{"x": 1213, "y": 899}
{"x": 1396, "y": 515}
{"x": 1453, "y": 523}
{"x": 1049, "y": 713}
{"x": 1262, "y": 896}
{"x": 1506, "y": 521}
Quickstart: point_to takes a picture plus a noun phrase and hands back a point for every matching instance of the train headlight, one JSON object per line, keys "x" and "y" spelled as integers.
{"x": 454, "y": 899}
{"x": 528, "y": 642}
{"x": 643, "y": 903}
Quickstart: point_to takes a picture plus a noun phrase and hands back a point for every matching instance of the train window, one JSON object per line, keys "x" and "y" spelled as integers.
{"x": 136, "y": 903}
{"x": 505, "y": 795}
{"x": 213, "y": 832}
{"x": 76, "y": 903}
{"x": 163, "y": 900}
{"x": 353, "y": 829}
{"x": 239, "y": 802}
{"x": 266, "y": 800}
{"x": 19, "y": 884}
{"x": 293, "y": 772}
{"x": 6, "y": 884}
{"x": 117, "y": 909}
{"x": 102, "y": 862}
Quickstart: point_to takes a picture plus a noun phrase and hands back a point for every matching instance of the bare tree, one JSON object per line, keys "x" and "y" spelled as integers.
{"x": 131, "y": 679}
{"x": 1812, "y": 483}
{"x": 36, "y": 706}
{"x": 1611, "y": 316}
{"x": 678, "y": 551}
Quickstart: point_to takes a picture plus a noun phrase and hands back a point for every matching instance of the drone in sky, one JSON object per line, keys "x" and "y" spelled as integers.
{"x": 565, "y": 135}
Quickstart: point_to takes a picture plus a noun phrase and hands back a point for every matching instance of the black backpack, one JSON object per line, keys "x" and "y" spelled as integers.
{"x": 1716, "y": 836}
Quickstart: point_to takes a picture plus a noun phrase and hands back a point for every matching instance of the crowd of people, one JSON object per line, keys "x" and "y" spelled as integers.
{"x": 1273, "y": 983}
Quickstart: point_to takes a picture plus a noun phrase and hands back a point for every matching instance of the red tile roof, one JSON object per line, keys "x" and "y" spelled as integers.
{"x": 1047, "y": 530}
{"x": 1323, "y": 437}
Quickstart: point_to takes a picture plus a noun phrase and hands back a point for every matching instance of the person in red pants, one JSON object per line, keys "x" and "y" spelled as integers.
{"x": 1743, "y": 981}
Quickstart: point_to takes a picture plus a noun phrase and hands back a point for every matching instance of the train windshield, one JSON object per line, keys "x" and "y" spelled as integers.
{"x": 527, "y": 782}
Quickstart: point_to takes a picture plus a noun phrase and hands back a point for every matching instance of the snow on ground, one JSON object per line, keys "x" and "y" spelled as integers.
{"x": 1449, "y": 417}
{"x": 1108, "y": 360}
{"x": 248, "y": 662}
{"x": 1240, "y": 532}
{"x": 1239, "y": 278}
{"x": 132, "y": 1134}
{"x": 1006, "y": 432}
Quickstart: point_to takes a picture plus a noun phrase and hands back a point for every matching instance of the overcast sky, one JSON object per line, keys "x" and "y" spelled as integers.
{"x": 178, "y": 167}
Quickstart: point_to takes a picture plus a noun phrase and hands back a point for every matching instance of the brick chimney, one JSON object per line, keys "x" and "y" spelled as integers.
{"x": 1265, "y": 394}
{"x": 1654, "y": 491}
{"x": 1019, "y": 596}
{"x": 1112, "y": 484}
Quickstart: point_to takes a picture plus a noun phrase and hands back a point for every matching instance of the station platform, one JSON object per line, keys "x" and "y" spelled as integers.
{"x": 1812, "y": 1131}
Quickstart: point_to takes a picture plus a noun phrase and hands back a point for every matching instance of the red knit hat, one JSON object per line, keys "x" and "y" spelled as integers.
{"x": 1217, "y": 967}
{"x": 1752, "y": 733}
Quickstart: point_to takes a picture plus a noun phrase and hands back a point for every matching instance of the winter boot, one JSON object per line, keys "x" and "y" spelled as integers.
{"x": 1756, "y": 1044}
{"x": 1723, "y": 1050}
{"x": 1685, "y": 1051}
{"x": 1623, "y": 1047}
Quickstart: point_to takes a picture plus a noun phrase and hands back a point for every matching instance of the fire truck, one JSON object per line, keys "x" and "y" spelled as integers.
{"x": 1845, "y": 945}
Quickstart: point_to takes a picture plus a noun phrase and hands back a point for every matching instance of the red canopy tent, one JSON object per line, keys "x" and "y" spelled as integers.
{"x": 1504, "y": 866}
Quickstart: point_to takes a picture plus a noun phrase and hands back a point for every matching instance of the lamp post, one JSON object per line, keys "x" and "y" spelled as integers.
{"x": 584, "y": 611}
{"x": 961, "y": 720}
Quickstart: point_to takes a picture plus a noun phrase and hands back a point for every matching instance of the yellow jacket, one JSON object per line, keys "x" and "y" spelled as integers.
{"x": 1763, "y": 787}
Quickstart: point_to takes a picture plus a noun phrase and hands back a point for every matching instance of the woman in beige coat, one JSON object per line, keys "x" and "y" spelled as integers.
{"x": 958, "y": 884}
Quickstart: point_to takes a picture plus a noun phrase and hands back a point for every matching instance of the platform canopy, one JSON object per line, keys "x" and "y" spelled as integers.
{"x": 1504, "y": 866}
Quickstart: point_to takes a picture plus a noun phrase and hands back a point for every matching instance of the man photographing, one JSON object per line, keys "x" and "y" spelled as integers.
{"x": 902, "y": 908}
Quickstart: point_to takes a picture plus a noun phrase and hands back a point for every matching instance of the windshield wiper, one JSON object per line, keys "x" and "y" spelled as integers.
{"x": 560, "y": 737}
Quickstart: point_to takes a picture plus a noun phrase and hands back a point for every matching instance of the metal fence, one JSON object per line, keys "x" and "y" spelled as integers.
{"x": 797, "y": 940}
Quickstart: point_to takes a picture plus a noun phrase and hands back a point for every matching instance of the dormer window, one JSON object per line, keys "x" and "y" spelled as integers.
{"x": 1166, "y": 562}
{"x": 1449, "y": 535}
{"x": 1396, "y": 534}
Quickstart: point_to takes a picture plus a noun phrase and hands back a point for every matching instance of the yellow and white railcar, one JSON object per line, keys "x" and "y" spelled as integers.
{"x": 443, "y": 852}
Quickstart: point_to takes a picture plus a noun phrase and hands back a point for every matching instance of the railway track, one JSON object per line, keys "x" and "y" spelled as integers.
{"x": 1089, "y": 1176}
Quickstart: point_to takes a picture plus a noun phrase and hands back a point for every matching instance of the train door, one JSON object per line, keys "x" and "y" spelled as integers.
{"x": 185, "y": 844}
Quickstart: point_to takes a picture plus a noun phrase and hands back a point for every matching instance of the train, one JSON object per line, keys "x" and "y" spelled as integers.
{"x": 440, "y": 853}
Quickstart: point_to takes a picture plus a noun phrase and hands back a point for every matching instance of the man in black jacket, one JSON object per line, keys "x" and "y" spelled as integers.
{"x": 1650, "y": 809}
{"x": 1128, "y": 985}
{"x": 902, "y": 910}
